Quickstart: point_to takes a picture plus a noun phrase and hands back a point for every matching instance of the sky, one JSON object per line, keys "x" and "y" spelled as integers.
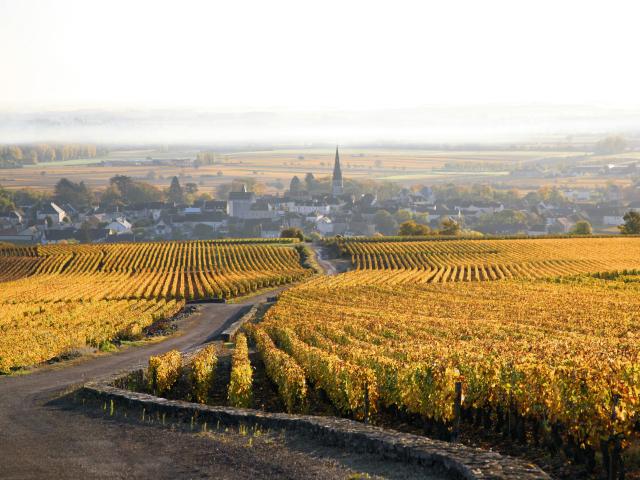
{"x": 326, "y": 70}
{"x": 298, "y": 55}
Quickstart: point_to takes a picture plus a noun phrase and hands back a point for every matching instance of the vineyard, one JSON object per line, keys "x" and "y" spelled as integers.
{"x": 54, "y": 299}
{"x": 480, "y": 260}
{"x": 34, "y": 332}
{"x": 189, "y": 270}
{"x": 549, "y": 355}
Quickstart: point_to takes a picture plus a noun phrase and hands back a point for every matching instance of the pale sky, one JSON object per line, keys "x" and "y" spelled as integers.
{"x": 298, "y": 55}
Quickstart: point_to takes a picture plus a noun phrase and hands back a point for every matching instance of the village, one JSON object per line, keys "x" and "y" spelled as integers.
{"x": 421, "y": 210}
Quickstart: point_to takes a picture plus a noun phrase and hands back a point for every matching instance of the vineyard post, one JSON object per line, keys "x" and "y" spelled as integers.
{"x": 457, "y": 408}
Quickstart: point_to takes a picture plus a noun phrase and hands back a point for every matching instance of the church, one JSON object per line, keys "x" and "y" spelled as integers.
{"x": 297, "y": 190}
{"x": 337, "y": 187}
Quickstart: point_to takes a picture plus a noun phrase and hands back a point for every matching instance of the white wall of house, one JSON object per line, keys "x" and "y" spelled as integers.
{"x": 309, "y": 209}
{"x": 612, "y": 220}
{"x": 120, "y": 226}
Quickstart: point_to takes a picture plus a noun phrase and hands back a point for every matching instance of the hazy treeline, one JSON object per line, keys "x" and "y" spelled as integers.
{"x": 18, "y": 155}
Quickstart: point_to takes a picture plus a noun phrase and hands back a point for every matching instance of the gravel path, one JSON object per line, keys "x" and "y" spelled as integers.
{"x": 44, "y": 439}
{"x": 322, "y": 254}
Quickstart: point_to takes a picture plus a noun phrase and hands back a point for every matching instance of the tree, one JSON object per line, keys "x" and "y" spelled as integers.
{"x": 311, "y": 182}
{"x": 631, "y": 223}
{"x": 551, "y": 195}
{"x": 143, "y": 192}
{"x": 111, "y": 196}
{"x": 123, "y": 183}
{"x": 6, "y": 200}
{"x": 77, "y": 194}
{"x": 15, "y": 153}
{"x": 292, "y": 233}
{"x": 500, "y": 219}
{"x": 610, "y": 145}
{"x": 411, "y": 228}
{"x": 403, "y": 215}
{"x": 582, "y": 227}
{"x": 175, "y": 193}
{"x": 422, "y": 218}
{"x": 191, "y": 188}
{"x": 449, "y": 227}
{"x": 203, "y": 231}
{"x": 296, "y": 185}
{"x": 385, "y": 223}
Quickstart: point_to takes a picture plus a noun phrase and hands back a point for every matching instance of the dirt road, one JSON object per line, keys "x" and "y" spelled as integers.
{"x": 322, "y": 255}
{"x": 40, "y": 439}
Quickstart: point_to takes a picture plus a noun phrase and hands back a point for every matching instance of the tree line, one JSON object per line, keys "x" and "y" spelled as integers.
{"x": 18, "y": 155}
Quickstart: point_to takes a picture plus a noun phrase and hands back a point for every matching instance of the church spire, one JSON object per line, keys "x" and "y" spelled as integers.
{"x": 336, "y": 182}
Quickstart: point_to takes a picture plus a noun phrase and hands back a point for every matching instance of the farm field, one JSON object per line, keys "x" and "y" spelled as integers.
{"x": 185, "y": 270}
{"x": 549, "y": 355}
{"x": 547, "y": 360}
{"x": 57, "y": 298}
{"x": 398, "y": 165}
{"x": 468, "y": 260}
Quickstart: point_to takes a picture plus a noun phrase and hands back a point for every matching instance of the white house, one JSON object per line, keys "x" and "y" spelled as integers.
{"x": 479, "y": 208}
{"x": 52, "y": 212}
{"x": 239, "y": 203}
{"x": 612, "y": 220}
{"x": 578, "y": 195}
{"x": 324, "y": 225}
{"x": 120, "y": 225}
{"x": 307, "y": 208}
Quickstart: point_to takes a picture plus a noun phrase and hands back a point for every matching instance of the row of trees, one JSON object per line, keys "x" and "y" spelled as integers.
{"x": 124, "y": 190}
{"x": 486, "y": 193}
{"x": 16, "y": 155}
{"x": 449, "y": 226}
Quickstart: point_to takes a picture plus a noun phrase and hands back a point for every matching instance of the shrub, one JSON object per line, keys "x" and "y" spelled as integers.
{"x": 203, "y": 367}
{"x": 239, "y": 393}
{"x": 164, "y": 371}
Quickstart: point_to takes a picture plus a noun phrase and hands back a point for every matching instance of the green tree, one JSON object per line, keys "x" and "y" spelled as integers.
{"x": 631, "y": 224}
{"x": 111, "y": 196}
{"x": 142, "y": 192}
{"x": 505, "y": 217}
{"x": 292, "y": 233}
{"x": 403, "y": 216}
{"x": 411, "y": 228}
{"x": 202, "y": 231}
{"x": 6, "y": 200}
{"x": 449, "y": 227}
{"x": 422, "y": 218}
{"x": 77, "y": 194}
{"x": 124, "y": 183}
{"x": 384, "y": 222}
{"x": 582, "y": 227}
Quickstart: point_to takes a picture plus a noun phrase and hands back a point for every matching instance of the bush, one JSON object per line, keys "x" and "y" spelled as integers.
{"x": 164, "y": 371}
{"x": 239, "y": 393}
{"x": 203, "y": 368}
{"x": 292, "y": 233}
{"x": 283, "y": 371}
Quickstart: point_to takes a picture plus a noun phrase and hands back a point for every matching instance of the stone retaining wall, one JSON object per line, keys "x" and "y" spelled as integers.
{"x": 455, "y": 460}
{"x": 229, "y": 333}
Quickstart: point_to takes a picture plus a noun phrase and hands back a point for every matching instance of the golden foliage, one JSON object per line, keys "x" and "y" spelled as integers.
{"x": 240, "y": 391}
{"x": 164, "y": 371}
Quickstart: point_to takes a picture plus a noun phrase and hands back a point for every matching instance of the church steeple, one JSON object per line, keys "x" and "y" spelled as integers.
{"x": 336, "y": 183}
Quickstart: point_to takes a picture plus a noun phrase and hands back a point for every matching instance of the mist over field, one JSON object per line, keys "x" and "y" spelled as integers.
{"x": 420, "y": 125}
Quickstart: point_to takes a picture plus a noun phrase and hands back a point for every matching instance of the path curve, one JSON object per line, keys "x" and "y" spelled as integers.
{"x": 38, "y": 440}
{"x": 321, "y": 253}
